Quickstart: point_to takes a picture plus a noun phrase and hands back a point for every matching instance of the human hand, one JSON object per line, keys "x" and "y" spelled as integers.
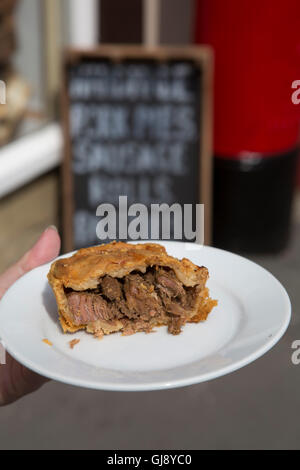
{"x": 15, "y": 379}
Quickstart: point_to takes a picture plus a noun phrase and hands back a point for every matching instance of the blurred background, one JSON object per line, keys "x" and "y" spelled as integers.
{"x": 256, "y": 205}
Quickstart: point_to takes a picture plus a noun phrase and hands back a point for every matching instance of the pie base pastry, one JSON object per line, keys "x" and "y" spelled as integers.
{"x": 128, "y": 288}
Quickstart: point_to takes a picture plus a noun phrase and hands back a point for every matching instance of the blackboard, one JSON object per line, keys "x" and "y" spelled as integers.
{"x": 137, "y": 122}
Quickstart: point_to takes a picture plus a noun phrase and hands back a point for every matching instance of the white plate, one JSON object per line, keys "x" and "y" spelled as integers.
{"x": 253, "y": 313}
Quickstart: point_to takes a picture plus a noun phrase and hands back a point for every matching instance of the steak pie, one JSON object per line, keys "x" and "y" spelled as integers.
{"x": 128, "y": 288}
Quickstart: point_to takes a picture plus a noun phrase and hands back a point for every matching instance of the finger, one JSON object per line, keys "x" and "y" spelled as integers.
{"x": 46, "y": 248}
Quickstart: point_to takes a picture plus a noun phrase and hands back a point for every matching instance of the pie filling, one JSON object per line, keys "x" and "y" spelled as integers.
{"x": 137, "y": 301}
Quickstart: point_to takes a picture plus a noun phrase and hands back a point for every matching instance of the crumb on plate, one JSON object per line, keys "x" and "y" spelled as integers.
{"x": 45, "y": 340}
{"x": 73, "y": 343}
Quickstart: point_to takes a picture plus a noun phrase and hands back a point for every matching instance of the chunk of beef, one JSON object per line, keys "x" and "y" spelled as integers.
{"x": 141, "y": 297}
{"x": 149, "y": 277}
{"x": 174, "y": 326}
{"x": 175, "y": 307}
{"x": 168, "y": 283}
{"x": 136, "y": 301}
{"x": 111, "y": 288}
{"x": 87, "y": 307}
{"x": 172, "y": 292}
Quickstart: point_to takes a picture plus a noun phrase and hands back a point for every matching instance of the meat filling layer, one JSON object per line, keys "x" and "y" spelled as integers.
{"x": 138, "y": 300}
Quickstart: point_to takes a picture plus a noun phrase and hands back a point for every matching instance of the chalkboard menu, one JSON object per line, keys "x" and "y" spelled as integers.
{"x": 137, "y": 123}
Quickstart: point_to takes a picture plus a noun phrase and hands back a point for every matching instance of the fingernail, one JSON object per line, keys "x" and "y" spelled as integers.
{"x": 51, "y": 227}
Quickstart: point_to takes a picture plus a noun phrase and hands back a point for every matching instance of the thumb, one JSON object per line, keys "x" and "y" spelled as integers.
{"x": 45, "y": 249}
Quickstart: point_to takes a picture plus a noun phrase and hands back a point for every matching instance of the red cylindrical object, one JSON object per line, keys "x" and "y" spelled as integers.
{"x": 256, "y": 128}
{"x": 257, "y": 57}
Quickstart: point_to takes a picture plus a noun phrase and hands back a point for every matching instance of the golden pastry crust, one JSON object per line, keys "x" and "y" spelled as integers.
{"x": 118, "y": 259}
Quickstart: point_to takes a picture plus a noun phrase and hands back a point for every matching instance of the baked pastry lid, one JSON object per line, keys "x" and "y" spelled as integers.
{"x": 117, "y": 259}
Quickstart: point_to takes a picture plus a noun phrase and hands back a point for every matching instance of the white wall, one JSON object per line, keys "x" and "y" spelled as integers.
{"x": 28, "y": 58}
